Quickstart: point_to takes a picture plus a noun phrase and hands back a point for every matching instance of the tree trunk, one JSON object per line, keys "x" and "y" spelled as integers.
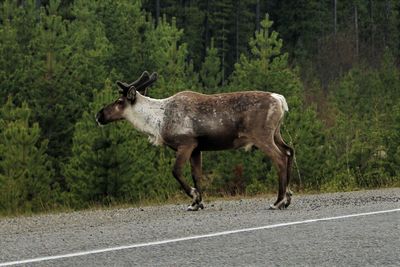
{"x": 372, "y": 28}
{"x": 237, "y": 30}
{"x": 386, "y": 27}
{"x": 356, "y": 29}
{"x": 206, "y": 29}
{"x": 335, "y": 17}
{"x": 157, "y": 11}
{"x": 258, "y": 15}
{"x": 223, "y": 54}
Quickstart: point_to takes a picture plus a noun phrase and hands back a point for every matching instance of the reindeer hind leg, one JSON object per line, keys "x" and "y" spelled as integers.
{"x": 279, "y": 159}
{"x": 289, "y": 151}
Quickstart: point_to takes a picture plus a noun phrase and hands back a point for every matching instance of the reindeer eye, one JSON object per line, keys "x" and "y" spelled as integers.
{"x": 120, "y": 101}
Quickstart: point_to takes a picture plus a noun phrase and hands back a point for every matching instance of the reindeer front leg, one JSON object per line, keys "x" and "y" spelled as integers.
{"x": 183, "y": 154}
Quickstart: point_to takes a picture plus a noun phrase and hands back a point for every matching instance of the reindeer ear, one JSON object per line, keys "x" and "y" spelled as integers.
{"x": 131, "y": 95}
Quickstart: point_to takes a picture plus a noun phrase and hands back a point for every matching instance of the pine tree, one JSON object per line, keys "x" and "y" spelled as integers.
{"x": 267, "y": 69}
{"x": 189, "y": 16}
{"x": 302, "y": 23}
{"x": 241, "y": 27}
{"x": 210, "y": 72}
{"x": 395, "y": 143}
{"x": 9, "y": 60}
{"x": 114, "y": 162}
{"x": 100, "y": 164}
{"x": 17, "y": 28}
{"x": 57, "y": 63}
{"x": 364, "y": 138}
{"x": 125, "y": 26}
{"x": 191, "y": 77}
{"x": 168, "y": 56}
{"x": 25, "y": 170}
{"x": 220, "y": 18}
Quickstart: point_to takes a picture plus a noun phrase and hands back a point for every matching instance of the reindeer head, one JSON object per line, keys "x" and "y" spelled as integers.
{"x": 115, "y": 110}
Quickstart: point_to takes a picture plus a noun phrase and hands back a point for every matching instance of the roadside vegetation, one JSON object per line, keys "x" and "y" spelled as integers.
{"x": 59, "y": 61}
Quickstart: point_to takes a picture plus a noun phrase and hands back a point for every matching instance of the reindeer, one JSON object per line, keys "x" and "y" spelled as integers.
{"x": 190, "y": 122}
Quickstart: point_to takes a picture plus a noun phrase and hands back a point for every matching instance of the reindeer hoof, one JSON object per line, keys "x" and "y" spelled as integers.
{"x": 283, "y": 204}
{"x": 192, "y": 208}
{"x": 195, "y": 207}
{"x": 273, "y": 207}
{"x": 289, "y": 195}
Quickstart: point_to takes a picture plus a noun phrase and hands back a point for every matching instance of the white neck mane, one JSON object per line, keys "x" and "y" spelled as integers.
{"x": 147, "y": 116}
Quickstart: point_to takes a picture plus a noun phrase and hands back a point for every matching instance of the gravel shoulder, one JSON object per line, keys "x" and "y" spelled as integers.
{"x": 52, "y": 234}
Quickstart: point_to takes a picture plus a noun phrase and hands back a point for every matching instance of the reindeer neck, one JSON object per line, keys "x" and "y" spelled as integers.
{"x": 147, "y": 115}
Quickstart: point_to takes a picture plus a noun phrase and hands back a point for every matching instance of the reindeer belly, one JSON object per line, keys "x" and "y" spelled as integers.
{"x": 219, "y": 136}
{"x": 216, "y": 142}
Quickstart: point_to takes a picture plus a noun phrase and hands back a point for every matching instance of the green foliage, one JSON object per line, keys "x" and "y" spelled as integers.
{"x": 53, "y": 54}
{"x": 394, "y": 141}
{"x": 268, "y": 69}
{"x": 210, "y": 72}
{"x": 25, "y": 169}
{"x": 220, "y": 18}
{"x": 302, "y": 23}
{"x": 55, "y": 63}
{"x": 189, "y": 16}
{"x": 255, "y": 187}
{"x": 230, "y": 172}
{"x": 191, "y": 77}
{"x": 124, "y": 24}
{"x": 168, "y": 56}
{"x": 365, "y": 137}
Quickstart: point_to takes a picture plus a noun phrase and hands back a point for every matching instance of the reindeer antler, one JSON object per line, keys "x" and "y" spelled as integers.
{"x": 141, "y": 84}
{"x": 124, "y": 87}
{"x": 142, "y": 88}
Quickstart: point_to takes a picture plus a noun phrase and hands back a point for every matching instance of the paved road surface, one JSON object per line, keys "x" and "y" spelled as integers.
{"x": 264, "y": 237}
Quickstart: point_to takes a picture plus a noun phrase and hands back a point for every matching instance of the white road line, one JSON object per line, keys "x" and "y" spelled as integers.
{"x": 161, "y": 242}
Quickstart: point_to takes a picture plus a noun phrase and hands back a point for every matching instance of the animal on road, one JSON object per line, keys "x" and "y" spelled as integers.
{"x": 190, "y": 122}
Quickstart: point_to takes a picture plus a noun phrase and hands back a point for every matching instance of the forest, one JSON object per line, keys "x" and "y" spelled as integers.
{"x": 335, "y": 61}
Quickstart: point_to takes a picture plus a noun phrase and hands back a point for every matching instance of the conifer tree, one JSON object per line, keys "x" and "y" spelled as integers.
{"x": 191, "y": 77}
{"x": 267, "y": 69}
{"x": 17, "y": 28}
{"x": 395, "y": 142}
{"x": 114, "y": 162}
{"x": 210, "y": 72}
{"x": 168, "y": 57}
{"x": 100, "y": 164}
{"x": 25, "y": 170}
{"x": 125, "y": 26}
{"x": 366, "y": 146}
{"x": 302, "y": 23}
{"x": 220, "y": 18}
{"x": 57, "y": 62}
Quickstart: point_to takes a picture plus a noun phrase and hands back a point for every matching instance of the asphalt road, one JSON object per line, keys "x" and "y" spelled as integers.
{"x": 170, "y": 236}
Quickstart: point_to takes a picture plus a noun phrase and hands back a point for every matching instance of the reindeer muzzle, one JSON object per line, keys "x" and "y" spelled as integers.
{"x": 100, "y": 119}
